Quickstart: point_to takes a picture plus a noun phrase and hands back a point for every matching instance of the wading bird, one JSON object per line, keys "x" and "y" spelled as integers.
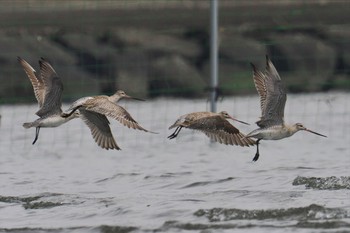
{"x": 272, "y": 102}
{"x": 93, "y": 110}
{"x": 48, "y": 92}
{"x": 214, "y": 125}
{"x": 119, "y": 95}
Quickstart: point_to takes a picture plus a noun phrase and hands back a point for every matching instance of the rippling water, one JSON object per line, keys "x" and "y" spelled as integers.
{"x": 65, "y": 183}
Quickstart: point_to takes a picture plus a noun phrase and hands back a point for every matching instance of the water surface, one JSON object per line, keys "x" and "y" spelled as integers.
{"x": 66, "y": 183}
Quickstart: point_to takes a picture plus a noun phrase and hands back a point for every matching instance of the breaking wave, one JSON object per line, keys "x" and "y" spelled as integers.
{"x": 32, "y": 202}
{"x": 326, "y": 183}
{"x": 168, "y": 226}
{"x": 311, "y": 212}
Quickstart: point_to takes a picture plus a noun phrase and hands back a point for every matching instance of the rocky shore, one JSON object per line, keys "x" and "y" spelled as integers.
{"x": 164, "y": 51}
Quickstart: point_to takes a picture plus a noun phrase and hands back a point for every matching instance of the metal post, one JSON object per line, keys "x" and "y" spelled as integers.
{"x": 213, "y": 53}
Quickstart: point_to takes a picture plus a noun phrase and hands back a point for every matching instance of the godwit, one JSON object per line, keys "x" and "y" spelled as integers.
{"x": 94, "y": 111}
{"x": 48, "y": 91}
{"x": 214, "y": 125}
{"x": 119, "y": 95}
{"x": 272, "y": 102}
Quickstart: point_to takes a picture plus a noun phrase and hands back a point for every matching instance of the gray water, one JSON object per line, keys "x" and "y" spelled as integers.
{"x": 66, "y": 183}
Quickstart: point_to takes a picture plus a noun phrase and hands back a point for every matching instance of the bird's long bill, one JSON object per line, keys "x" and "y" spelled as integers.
{"x": 315, "y": 133}
{"x": 239, "y": 121}
{"x": 134, "y": 98}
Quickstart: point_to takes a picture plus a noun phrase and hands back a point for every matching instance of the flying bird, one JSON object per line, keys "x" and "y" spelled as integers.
{"x": 48, "y": 89}
{"x": 94, "y": 110}
{"x": 214, "y": 125}
{"x": 272, "y": 102}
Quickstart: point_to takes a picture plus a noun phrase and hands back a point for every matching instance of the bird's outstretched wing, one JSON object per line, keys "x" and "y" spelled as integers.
{"x": 52, "y": 101}
{"x": 220, "y": 130}
{"x": 105, "y": 107}
{"x": 272, "y": 95}
{"x": 37, "y": 82}
{"x": 100, "y": 130}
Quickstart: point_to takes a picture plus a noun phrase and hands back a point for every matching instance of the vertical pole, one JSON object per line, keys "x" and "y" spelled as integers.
{"x": 213, "y": 53}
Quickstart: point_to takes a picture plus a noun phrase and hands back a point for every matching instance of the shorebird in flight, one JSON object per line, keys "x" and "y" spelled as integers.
{"x": 48, "y": 89}
{"x": 272, "y": 102}
{"x": 94, "y": 110}
{"x": 214, "y": 125}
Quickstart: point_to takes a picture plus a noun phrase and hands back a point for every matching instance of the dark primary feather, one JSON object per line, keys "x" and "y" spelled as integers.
{"x": 36, "y": 81}
{"x": 100, "y": 130}
{"x": 259, "y": 81}
{"x": 272, "y": 95}
{"x": 53, "y": 90}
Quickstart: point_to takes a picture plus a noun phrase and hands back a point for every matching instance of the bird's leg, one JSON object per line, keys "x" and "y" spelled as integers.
{"x": 37, "y": 129}
{"x": 256, "y": 157}
{"x": 176, "y": 132}
{"x": 173, "y": 135}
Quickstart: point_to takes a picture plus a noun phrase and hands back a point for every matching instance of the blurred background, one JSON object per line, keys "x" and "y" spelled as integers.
{"x": 159, "y": 48}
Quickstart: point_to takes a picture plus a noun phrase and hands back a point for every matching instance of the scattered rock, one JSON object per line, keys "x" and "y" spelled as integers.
{"x": 148, "y": 59}
{"x": 175, "y": 76}
{"x": 235, "y": 55}
{"x": 153, "y": 42}
{"x": 32, "y": 48}
{"x": 133, "y": 72}
{"x": 241, "y": 50}
{"x": 306, "y": 63}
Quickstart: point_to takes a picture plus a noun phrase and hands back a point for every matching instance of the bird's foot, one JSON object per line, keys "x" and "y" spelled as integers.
{"x": 256, "y": 157}
{"x": 172, "y": 136}
{"x": 36, "y": 135}
{"x": 35, "y": 139}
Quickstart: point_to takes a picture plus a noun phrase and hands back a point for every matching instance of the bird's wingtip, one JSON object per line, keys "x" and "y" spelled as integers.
{"x": 253, "y": 66}
{"x": 268, "y": 60}
{"x": 42, "y": 61}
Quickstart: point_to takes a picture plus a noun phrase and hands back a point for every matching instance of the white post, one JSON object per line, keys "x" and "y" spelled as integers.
{"x": 213, "y": 53}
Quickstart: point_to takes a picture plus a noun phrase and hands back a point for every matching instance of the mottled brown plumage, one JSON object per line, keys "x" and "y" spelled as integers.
{"x": 214, "y": 125}
{"x": 95, "y": 110}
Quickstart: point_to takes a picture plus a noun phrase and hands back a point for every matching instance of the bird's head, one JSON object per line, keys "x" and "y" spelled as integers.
{"x": 122, "y": 95}
{"x": 225, "y": 114}
{"x": 299, "y": 126}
